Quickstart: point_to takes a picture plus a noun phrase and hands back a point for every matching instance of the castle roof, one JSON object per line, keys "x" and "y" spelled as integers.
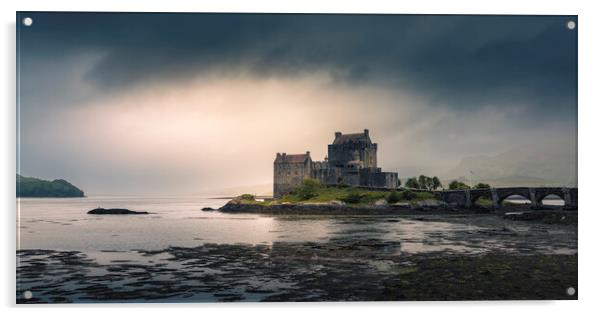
{"x": 295, "y": 158}
{"x": 356, "y": 137}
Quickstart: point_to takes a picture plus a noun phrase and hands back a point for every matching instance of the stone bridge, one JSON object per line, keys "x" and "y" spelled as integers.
{"x": 466, "y": 198}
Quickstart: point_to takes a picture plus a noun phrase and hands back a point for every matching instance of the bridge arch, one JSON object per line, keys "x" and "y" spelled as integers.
{"x": 542, "y": 193}
{"x": 552, "y": 195}
{"x": 505, "y": 193}
{"x": 476, "y": 194}
{"x": 507, "y": 197}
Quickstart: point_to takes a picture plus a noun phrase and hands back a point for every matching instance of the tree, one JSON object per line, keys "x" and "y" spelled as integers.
{"x": 429, "y": 184}
{"x": 436, "y": 183}
{"x": 422, "y": 182}
{"x": 412, "y": 183}
{"x": 457, "y": 185}
{"x": 482, "y": 186}
{"x": 309, "y": 189}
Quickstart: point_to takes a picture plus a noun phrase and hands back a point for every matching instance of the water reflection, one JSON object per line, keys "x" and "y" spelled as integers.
{"x": 62, "y": 224}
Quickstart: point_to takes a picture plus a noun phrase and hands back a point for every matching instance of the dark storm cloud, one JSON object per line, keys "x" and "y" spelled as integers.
{"x": 458, "y": 61}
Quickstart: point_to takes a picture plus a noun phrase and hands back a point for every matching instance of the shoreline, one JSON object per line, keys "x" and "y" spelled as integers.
{"x": 437, "y": 208}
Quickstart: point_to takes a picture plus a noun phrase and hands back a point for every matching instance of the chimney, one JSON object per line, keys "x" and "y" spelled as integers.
{"x": 337, "y": 134}
{"x": 307, "y": 153}
{"x": 366, "y": 133}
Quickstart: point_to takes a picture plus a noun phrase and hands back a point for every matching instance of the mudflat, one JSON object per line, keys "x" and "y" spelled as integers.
{"x": 486, "y": 258}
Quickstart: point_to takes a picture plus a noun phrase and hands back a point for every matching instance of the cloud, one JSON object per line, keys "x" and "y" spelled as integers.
{"x": 461, "y": 61}
{"x": 166, "y": 103}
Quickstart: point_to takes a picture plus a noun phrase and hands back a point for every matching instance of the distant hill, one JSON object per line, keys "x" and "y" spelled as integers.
{"x": 552, "y": 163}
{"x": 33, "y": 187}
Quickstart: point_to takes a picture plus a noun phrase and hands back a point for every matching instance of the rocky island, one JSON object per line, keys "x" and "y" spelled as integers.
{"x": 34, "y": 187}
{"x": 315, "y": 198}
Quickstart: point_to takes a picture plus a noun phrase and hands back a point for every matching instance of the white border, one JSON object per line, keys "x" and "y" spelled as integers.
{"x": 589, "y": 27}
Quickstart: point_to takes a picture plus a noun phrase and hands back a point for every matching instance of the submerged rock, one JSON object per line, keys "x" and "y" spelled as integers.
{"x": 114, "y": 211}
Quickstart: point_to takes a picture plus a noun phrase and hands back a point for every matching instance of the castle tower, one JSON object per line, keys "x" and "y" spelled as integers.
{"x": 290, "y": 171}
{"x": 345, "y": 146}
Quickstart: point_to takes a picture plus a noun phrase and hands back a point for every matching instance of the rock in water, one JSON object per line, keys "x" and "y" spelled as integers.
{"x": 207, "y": 209}
{"x": 114, "y": 211}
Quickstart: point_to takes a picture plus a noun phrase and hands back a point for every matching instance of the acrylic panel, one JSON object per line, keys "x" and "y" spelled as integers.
{"x": 220, "y": 157}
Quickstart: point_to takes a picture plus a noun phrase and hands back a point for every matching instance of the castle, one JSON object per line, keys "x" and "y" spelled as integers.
{"x": 351, "y": 161}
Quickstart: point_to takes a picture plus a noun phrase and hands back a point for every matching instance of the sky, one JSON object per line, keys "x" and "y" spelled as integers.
{"x": 131, "y": 103}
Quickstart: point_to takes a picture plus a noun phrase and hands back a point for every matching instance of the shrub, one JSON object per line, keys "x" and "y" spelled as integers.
{"x": 353, "y": 197}
{"x": 394, "y": 197}
{"x": 248, "y": 197}
{"x": 482, "y": 186}
{"x": 408, "y": 195}
{"x": 308, "y": 189}
{"x": 457, "y": 185}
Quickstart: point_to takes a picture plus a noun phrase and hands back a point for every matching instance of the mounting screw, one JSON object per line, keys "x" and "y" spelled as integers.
{"x": 570, "y": 291}
{"x": 27, "y": 295}
{"x": 571, "y": 25}
{"x": 27, "y": 21}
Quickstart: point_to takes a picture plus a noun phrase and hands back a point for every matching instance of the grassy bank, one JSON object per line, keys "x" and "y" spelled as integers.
{"x": 314, "y": 192}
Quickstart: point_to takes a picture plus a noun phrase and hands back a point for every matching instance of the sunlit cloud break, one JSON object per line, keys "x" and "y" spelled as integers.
{"x": 207, "y": 101}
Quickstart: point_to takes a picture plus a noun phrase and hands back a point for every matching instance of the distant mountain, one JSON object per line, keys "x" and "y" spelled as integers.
{"x": 552, "y": 163}
{"x": 33, "y": 187}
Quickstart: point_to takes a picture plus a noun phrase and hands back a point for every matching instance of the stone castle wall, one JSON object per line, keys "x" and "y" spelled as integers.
{"x": 288, "y": 176}
{"x": 370, "y": 177}
{"x": 339, "y": 155}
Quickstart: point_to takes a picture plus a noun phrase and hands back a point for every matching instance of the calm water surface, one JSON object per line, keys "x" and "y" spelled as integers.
{"x": 63, "y": 224}
{"x": 180, "y": 253}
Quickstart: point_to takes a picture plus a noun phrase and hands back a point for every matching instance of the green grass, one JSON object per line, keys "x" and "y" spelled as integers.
{"x": 349, "y": 195}
{"x": 484, "y": 202}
